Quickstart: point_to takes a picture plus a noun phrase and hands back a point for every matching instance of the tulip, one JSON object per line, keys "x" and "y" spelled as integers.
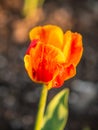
{"x": 52, "y": 56}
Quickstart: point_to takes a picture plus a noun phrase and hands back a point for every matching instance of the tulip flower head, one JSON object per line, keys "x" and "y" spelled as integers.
{"x": 52, "y": 55}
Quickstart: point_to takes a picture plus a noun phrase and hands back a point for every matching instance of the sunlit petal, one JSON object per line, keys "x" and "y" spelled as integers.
{"x": 72, "y": 47}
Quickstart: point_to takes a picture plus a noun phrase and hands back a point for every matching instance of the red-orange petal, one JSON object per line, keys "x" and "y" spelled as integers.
{"x": 42, "y": 62}
{"x": 32, "y": 45}
{"x": 72, "y": 47}
{"x": 65, "y": 72}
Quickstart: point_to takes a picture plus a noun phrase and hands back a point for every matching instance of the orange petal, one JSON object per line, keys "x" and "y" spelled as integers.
{"x": 44, "y": 62}
{"x": 48, "y": 34}
{"x": 36, "y": 33}
{"x": 73, "y": 47}
{"x": 65, "y": 72}
{"x": 55, "y": 36}
{"x": 28, "y": 65}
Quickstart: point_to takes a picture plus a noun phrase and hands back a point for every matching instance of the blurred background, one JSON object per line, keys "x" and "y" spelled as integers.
{"x": 19, "y": 96}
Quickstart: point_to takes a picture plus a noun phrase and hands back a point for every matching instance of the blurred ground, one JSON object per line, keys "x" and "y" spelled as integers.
{"x": 19, "y": 96}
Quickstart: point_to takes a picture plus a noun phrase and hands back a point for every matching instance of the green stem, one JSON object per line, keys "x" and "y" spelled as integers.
{"x": 41, "y": 108}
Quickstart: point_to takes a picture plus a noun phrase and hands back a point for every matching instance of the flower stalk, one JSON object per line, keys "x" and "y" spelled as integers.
{"x": 41, "y": 108}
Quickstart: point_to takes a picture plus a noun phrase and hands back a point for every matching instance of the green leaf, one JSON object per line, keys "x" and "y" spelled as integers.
{"x": 56, "y": 114}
